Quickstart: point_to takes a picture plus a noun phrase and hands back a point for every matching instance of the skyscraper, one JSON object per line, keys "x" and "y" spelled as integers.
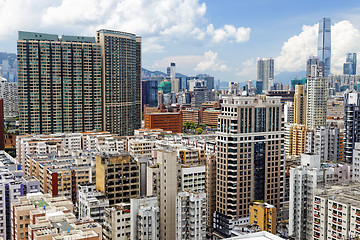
{"x": 350, "y": 64}
{"x": 150, "y": 93}
{"x": 299, "y": 105}
{"x": 121, "y": 72}
{"x": 172, "y": 73}
{"x": 316, "y": 93}
{"x": 265, "y": 71}
{"x": 324, "y": 43}
{"x": 59, "y": 83}
{"x": 249, "y": 159}
{"x": 351, "y": 124}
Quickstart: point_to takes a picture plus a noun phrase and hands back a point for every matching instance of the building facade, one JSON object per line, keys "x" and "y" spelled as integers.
{"x": 121, "y": 76}
{"x": 250, "y": 159}
{"x": 351, "y": 120}
{"x": 265, "y": 71}
{"x": 324, "y": 44}
{"x": 316, "y": 98}
{"x": 59, "y": 83}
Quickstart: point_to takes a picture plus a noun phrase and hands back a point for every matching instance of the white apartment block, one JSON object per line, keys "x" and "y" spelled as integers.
{"x": 336, "y": 212}
{"x": 356, "y": 162}
{"x": 141, "y": 147}
{"x": 191, "y": 216}
{"x": 326, "y": 142}
{"x": 91, "y": 203}
{"x": 116, "y": 223}
{"x": 303, "y": 181}
{"x": 9, "y": 93}
{"x": 193, "y": 178}
{"x": 145, "y": 219}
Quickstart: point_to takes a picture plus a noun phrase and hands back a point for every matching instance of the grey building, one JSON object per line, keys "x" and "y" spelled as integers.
{"x": 324, "y": 44}
{"x": 265, "y": 71}
{"x": 351, "y": 124}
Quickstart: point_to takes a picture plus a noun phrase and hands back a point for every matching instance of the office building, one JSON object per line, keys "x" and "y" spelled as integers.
{"x": 350, "y": 64}
{"x": 324, "y": 44}
{"x": 300, "y": 105}
{"x": 265, "y": 71}
{"x": 150, "y": 93}
{"x": 171, "y": 71}
{"x": 316, "y": 97}
{"x": 121, "y": 76}
{"x": 144, "y": 218}
{"x": 118, "y": 176}
{"x": 91, "y": 203}
{"x": 263, "y": 215}
{"x": 117, "y": 222}
{"x": 167, "y": 121}
{"x": 9, "y": 94}
{"x": 351, "y": 120}
{"x": 59, "y": 83}
{"x": 336, "y": 212}
{"x": 191, "y": 216}
{"x": 209, "y": 82}
{"x": 234, "y": 88}
{"x": 250, "y": 162}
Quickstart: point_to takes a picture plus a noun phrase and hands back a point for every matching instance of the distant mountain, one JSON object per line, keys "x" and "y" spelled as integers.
{"x": 148, "y": 73}
{"x": 285, "y": 77}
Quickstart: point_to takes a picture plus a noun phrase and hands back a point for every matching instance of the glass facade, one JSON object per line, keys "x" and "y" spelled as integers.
{"x": 324, "y": 43}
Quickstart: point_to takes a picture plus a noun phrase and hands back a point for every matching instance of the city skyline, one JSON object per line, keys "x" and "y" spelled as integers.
{"x": 201, "y": 36}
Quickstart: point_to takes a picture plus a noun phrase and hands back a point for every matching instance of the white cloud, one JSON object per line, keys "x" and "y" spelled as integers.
{"x": 160, "y": 19}
{"x": 248, "y": 69}
{"x": 295, "y": 52}
{"x": 228, "y": 33}
{"x": 183, "y": 63}
{"x": 210, "y": 62}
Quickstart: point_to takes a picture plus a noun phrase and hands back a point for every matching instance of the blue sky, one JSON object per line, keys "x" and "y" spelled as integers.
{"x": 221, "y": 38}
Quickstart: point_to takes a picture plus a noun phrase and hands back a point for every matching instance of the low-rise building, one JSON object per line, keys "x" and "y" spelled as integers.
{"x": 117, "y": 222}
{"x": 263, "y": 215}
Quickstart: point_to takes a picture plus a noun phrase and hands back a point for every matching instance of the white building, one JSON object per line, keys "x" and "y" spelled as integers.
{"x": 117, "y": 222}
{"x": 193, "y": 178}
{"x": 336, "y": 212}
{"x": 145, "y": 218}
{"x": 356, "y": 162}
{"x": 191, "y": 216}
{"x": 9, "y": 93}
{"x": 141, "y": 147}
{"x": 303, "y": 181}
{"x": 91, "y": 203}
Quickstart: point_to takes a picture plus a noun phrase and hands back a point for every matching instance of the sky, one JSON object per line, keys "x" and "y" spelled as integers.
{"x": 221, "y": 38}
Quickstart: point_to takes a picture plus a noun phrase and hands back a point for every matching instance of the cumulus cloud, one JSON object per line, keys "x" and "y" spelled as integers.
{"x": 183, "y": 63}
{"x": 163, "y": 19}
{"x": 295, "y": 52}
{"x": 248, "y": 69}
{"x": 210, "y": 62}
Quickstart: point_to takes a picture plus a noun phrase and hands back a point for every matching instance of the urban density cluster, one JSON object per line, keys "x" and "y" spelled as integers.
{"x": 94, "y": 147}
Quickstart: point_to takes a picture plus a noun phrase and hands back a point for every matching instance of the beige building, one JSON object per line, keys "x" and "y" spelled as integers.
{"x": 210, "y": 190}
{"x": 295, "y": 136}
{"x": 192, "y": 156}
{"x": 117, "y": 222}
{"x": 300, "y": 105}
{"x": 118, "y": 176}
{"x": 250, "y": 162}
{"x": 169, "y": 186}
{"x": 141, "y": 147}
{"x": 41, "y": 217}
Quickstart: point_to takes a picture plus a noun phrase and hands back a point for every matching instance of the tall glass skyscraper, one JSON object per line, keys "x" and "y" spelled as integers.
{"x": 324, "y": 43}
{"x": 350, "y": 64}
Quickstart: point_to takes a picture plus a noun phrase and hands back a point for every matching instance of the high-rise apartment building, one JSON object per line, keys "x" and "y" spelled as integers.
{"x": 210, "y": 190}
{"x": 168, "y": 188}
{"x": 59, "y": 83}
{"x": 265, "y": 71}
{"x": 300, "y": 104}
{"x": 350, "y": 64}
{"x": 351, "y": 121}
{"x": 316, "y": 98}
{"x": 324, "y": 44}
{"x": 191, "y": 216}
{"x": 121, "y": 76}
{"x": 117, "y": 222}
{"x": 250, "y": 162}
{"x": 9, "y": 94}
